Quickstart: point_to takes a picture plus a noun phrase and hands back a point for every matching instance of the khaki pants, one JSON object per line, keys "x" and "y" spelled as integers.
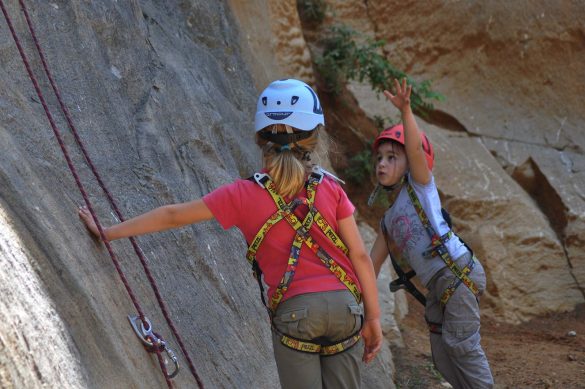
{"x": 328, "y": 316}
{"x": 457, "y": 352}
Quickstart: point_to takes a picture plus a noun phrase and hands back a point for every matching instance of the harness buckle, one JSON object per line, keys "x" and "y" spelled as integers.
{"x": 322, "y": 172}
{"x": 144, "y": 334}
{"x": 435, "y": 328}
{"x": 397, "y": 285}
{"x": 260, "y": 178}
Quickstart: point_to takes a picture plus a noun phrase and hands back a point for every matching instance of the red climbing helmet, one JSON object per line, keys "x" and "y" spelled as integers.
{"x": 396, "y": 133}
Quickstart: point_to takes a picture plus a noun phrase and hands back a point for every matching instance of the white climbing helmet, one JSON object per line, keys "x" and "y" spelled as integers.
{"x": 289, "y": 102}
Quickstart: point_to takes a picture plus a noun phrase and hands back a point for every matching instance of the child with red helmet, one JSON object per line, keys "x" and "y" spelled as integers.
{"x": 416, "y": 229}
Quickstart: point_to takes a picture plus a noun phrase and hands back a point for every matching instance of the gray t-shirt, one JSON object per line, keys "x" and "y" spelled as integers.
{"x": 408, "y": 235}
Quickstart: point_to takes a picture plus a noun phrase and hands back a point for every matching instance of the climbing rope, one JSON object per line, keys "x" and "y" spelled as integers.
{"x": 157, "y": 345}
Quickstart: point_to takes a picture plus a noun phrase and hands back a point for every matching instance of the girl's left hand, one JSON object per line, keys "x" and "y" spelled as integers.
{"x": 372, "y": 334}
{"x": 401, "y": 99}
{"x": 87, "y": 219}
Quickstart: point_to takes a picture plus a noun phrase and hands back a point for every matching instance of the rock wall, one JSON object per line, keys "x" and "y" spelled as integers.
{"x": 35, "y": 347}
{"x": 163, "y": 95}
{"x": 515, "y": 108}
{"x": 276, "y": 47}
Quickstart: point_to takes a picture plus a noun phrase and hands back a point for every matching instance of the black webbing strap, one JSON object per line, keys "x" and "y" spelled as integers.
{"x": 403, "y": 280}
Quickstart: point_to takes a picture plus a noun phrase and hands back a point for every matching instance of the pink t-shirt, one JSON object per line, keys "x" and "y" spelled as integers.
{"x": 246, "y": 205}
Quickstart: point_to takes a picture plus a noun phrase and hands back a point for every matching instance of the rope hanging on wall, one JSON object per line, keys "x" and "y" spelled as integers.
{"x": 152, "y": 341}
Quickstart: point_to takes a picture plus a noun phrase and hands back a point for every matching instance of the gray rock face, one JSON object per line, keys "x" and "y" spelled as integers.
{"x": 35, "y": 347}
{"x": 163, "y": 101}
{"x": 526, "y": 266}
{"x": 380, "y": 372}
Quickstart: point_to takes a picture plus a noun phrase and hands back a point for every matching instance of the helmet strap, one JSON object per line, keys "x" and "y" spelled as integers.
{"x": 373, "y": 195}
{"x": 391, "y": 188}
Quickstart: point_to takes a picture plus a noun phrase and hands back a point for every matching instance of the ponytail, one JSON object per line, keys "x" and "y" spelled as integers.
{"x": 288, "y": 165}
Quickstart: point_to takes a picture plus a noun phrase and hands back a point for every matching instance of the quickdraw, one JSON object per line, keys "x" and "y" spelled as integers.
{"x": 152, "y": 341}
{"x": 84, "y": 194}
{"x": 285, "y": 212}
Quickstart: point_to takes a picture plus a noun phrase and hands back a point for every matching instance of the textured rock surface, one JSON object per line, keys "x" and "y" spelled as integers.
{"x": 163, "y": 94}
{"x": 380, "y": 373}
{"x": 527, "y": 271}
{"x": 519, "y": 109}
{"x": 393, "y": 305}
{"x": 272, "y": 32}
{"x": 162, "y": 97}
{"x": 35, "y": 347}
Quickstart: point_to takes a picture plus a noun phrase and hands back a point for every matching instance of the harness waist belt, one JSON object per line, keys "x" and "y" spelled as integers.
{"x": 312, "y": 347}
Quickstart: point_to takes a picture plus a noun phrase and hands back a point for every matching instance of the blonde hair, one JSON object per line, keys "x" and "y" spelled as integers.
{"x": 288, "y": 168}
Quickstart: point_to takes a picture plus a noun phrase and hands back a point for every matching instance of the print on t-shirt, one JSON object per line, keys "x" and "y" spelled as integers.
{"x": 405, "y": 229}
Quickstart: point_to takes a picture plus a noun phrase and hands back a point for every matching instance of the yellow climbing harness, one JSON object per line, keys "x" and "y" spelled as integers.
{"x": 439, "y": 248}
{"x": 286, "y": 211}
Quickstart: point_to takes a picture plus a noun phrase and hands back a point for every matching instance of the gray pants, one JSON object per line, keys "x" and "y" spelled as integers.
{"x": 457, "y": 352}
{"x": 332, "y": 316}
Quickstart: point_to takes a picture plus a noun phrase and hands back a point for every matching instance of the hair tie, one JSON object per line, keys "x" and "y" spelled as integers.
{"x": 284, "y": 147}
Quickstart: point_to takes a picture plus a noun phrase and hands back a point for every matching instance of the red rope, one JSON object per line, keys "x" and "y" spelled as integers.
{"x": 72, "y": 168}
{"x": 112, "y": 202}
{"x": 102, "y": 185}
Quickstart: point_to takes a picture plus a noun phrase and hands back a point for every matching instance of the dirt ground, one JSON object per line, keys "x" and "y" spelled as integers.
{"x": 536, "y": 354}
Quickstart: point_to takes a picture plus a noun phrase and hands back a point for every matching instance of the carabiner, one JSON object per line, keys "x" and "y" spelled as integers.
{"x": 142, "y": 333}
{"x": 173, "y": 358}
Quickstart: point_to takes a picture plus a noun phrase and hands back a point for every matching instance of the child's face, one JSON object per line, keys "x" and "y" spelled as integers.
{"x": 391, "y": 163}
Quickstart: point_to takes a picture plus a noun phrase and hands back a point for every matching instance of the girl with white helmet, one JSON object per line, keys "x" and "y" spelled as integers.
{"x": 416, "y": 229}
{"x": 303, "y": 244}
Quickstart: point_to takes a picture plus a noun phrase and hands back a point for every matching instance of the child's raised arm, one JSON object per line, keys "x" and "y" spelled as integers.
{"x": 159, "y": 219}
{"x": 417, "y": 163}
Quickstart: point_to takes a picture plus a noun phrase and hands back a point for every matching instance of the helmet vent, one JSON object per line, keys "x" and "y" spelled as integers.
{"x": 294, "y": 100}
{"x": 265, "y": 100}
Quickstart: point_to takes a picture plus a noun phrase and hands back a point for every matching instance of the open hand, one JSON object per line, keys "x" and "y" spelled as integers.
{"x": 372, "y": 335}
{"x": 87, "y": 219}
{"x": 401, "y": 99}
